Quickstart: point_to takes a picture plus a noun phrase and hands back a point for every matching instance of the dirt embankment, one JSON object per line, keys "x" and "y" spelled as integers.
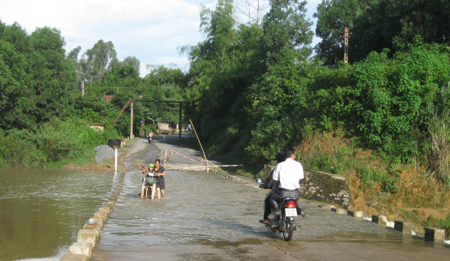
{"x": 108, "y": 164}
{"x": 425, "y": 203}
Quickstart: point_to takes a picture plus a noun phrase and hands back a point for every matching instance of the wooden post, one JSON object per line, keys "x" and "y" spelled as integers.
{"x": 82, "y": 88}
{"x": 131, "y": 122}
{"x": 204, "y": 155}
{"x": 179, "y": 123}
{"x": 346, "y": 35}
{"x": 153, "y": 190}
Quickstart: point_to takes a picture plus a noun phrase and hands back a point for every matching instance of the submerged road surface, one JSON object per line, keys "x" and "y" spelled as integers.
{"x": 207, "y": 217}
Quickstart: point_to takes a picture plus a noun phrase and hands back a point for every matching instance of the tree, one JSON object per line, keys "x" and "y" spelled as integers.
{"x": 253, "y": 9}
{"x": 132, "y": 61}
{"x": 73, "y": 55}
{"x": 286, "y": 32}
{"x": 52, "y": 75}
{"x": 98, "y": 60}
{"x": 275, "y": 99}
{"x": 333, "y": 16}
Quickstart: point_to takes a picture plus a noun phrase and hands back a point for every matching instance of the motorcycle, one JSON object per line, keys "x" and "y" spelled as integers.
{"x": 148, "y": 185}
{"x": 149, "y": 139}
{"x": 284, "y": 222}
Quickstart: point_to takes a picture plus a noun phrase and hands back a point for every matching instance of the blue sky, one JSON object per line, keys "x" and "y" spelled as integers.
{"x": 150, "y": 30}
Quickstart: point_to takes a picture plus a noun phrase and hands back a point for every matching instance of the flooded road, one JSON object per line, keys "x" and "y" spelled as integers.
{"x": 41, "y": 211}
{"x": 207, "y": 217}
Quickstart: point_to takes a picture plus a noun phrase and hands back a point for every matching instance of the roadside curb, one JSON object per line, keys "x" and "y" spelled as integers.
{"x": 432, "y": 234}
{"x": 89, "y": 236}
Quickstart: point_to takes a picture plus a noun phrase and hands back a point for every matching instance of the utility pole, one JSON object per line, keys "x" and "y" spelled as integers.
{"x": 82, "y": 88}
{"x": 346, "y": 35}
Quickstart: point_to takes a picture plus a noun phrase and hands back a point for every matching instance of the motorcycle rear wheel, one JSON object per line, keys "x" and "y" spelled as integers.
{"x": 288, "y": 232}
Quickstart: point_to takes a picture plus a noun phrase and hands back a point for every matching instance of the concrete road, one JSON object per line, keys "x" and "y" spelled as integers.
{"x": 208, "y": 217}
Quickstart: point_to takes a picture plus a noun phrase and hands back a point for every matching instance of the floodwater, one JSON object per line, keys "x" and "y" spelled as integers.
{"x": 203, "y": 217}
{"x": 208, "y": 217}
{"x": 41, "y": 211}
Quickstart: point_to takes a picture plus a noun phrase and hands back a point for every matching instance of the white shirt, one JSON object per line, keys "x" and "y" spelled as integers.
{"x": 289, "y": 173}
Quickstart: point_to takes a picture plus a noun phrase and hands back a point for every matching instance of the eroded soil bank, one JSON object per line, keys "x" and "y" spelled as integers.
{"x": 425, "y": 203}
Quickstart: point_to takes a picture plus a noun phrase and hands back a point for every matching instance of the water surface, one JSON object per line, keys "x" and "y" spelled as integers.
{"x": 41, "y": 211}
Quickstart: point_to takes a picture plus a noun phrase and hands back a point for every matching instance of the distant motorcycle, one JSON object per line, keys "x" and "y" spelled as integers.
{"x": 284, "y": 223}
{"x": 149, "y": 139}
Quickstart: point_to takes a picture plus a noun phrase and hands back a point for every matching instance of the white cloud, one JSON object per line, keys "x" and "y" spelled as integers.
{"x": 150, "y": 30}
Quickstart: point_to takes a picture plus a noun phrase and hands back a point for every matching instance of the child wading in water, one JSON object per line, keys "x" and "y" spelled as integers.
{"x": 146, "y": 186}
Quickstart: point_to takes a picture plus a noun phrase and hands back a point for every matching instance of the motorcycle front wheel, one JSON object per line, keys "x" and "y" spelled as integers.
{"x": 288, "y": 232}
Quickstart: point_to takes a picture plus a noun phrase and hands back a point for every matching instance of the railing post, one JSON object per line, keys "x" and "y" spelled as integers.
{"x": 165, "y": 155}
{"x": 131, "y": 122}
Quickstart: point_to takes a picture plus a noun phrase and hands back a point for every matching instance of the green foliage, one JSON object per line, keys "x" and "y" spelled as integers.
{"x": 376, "y": 25}
{"x": 370, "y": 176}
{"x": 35, "y": 77}
{"x": 50, "y": 143}
{"x": 44, "y": 120}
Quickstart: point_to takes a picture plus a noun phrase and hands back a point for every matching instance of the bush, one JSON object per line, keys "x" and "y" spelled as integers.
{"x": 51, "y": 143}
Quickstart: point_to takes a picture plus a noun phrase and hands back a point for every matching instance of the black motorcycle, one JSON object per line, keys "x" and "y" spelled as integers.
{"x": 284, "y": 222}
{"x": 149, "y": 139}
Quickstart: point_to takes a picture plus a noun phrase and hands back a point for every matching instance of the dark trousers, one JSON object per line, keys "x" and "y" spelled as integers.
{"x": 281, "y": 194}
{"x": 267, "y": 206}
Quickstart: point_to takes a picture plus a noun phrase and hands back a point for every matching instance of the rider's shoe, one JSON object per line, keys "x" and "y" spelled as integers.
{"x": 264, "y": 221}
{"x": 303, "y": 214}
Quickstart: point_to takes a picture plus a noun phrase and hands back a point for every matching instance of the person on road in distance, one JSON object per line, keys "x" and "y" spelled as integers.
{"x": 160, "y": 182}
{"x": 280, "y": 157}
{"x": 150, "y": 135}
{"x": 286, "y": 182}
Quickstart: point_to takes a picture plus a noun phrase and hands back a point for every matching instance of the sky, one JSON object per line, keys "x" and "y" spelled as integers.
{"x": 150, "y": 30}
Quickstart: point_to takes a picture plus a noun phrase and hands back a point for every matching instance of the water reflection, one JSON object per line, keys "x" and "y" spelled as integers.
{"x": 41, "y": 211}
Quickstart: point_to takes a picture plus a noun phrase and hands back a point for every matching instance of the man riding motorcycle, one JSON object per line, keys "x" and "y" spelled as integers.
{"x": 286, "y": 182}
{"x": 280, "y": 157}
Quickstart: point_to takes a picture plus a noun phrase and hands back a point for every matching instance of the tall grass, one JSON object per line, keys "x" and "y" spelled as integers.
{"x": 438, "y": 130}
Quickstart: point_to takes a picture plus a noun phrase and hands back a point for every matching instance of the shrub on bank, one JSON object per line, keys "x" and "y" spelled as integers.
{"x": 52, "y": 143}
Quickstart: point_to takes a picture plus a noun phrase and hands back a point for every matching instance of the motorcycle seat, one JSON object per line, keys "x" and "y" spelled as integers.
{"x": 287, "y": 199}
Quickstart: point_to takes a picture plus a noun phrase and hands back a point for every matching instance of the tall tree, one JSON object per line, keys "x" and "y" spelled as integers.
{"x": 52, "y": 74}
{"x": 333, "y": 16}
{"x": 287, "y": 33}
{"x": 132, "y": 61}
{"x": 276, "y": 98}
{"x": 97, "y": 60}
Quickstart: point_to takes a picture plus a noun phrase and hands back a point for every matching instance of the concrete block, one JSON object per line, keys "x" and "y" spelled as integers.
{"x": 87, "y": 235}
{"x": 355, "y": 214}
{"x": 97, "y": 220}
{"x": 339, "y": 211}
{"x": 81, "y": 248}
{"x": 379, "y": 219}
{"x": 109, "y": 204}
{"x": 96, "y": 227}
{"x": 404, "y": 226}
{"x": 72, "y": 257}
{"x": 325, "y": 207}
{"x": 102, "y": 215}
{"x": 105, "y": 209}
{"x": 434, "y": 234}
